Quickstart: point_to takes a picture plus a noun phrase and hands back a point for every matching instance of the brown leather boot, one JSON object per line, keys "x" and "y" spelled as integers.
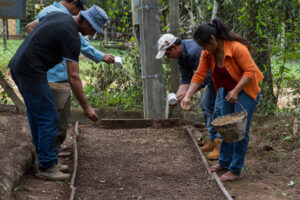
{"x": 208, "y": 146}
{"x": 215, "y": 154}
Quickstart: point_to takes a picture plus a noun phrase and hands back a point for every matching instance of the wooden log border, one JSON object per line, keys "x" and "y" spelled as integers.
{"x": 212, "y": 174}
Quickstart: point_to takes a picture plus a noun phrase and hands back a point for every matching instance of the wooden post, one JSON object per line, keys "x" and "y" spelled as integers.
{"x": 5, "y": 32}
{"x": 152, "y": 74}
{"x": 11, "y": 93}
{"x": 174, "y": 29}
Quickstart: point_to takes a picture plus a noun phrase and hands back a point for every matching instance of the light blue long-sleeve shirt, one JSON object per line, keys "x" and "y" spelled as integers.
{"x": 59, "y": 71}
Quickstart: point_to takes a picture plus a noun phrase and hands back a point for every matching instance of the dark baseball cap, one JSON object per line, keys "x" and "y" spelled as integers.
{"x": 83, "y": 4}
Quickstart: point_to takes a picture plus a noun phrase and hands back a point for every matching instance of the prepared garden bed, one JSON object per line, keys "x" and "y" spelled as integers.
{"x": 149, "y": 163}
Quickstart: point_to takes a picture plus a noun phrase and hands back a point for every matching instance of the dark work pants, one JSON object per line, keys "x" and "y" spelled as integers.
{"x": 42, "y": 117}
{"x": 210, "y": 103}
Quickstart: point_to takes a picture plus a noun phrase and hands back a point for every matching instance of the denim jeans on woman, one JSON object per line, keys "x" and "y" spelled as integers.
{"x": 232, "y": 155}
{"x": 42, "y": 117}
{"x": 211, "y": 102}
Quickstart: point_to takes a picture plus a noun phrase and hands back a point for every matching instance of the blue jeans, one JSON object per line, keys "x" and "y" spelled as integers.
{"x": 42, "y": 117}
{"x": 211, "y": 102}
{"x": 232, "y": 155}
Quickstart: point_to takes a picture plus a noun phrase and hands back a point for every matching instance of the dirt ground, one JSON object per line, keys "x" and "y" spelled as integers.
{"x": 272, "y": 166}
{"x": 145, "y": 163}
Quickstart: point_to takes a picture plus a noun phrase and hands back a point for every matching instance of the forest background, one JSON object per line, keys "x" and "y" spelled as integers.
{"x": 271, "y": 26}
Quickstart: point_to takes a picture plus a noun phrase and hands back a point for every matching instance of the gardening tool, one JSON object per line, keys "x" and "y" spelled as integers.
{"x": 232, "y": 126}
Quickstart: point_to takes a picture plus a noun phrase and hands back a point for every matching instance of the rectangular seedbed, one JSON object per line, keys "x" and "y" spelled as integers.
{"x": 146, "y": 163}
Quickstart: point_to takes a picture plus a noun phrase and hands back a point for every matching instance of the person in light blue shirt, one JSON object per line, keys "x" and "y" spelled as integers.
{"x": 59, "y": 73}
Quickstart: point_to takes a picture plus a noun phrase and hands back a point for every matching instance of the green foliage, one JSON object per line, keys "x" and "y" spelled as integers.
{"x": 107, "y": 86}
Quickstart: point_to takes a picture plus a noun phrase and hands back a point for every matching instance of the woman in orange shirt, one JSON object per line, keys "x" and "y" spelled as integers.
{"x": 227, "y": 55}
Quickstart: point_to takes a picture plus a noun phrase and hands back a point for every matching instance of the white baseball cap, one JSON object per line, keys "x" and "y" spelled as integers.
{"x": 164, "y": 42}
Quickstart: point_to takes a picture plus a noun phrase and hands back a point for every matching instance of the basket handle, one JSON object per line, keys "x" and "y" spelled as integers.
{"x": 223, "y": 102}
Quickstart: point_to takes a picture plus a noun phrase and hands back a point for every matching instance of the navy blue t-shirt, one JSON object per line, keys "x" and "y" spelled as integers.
{"x": 55, "y": 37}
{"x": 189, "y": 62}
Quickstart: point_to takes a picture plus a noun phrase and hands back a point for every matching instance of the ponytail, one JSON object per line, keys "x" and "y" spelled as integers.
{"x": 216, "y": 27}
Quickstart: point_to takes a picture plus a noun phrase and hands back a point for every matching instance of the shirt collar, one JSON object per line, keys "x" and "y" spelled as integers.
{"x": 184, "y": 53}
{"x": 227, "y": 49}
{"x": 58, "y": 5}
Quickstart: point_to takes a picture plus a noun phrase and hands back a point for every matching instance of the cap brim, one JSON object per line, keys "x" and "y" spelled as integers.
{"x": 89, "y": 19}
{"x": 160, "y": 54}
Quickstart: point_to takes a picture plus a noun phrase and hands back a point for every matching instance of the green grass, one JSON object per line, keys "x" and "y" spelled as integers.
{"x": 7, "y": 54}
{"x": 85, "y": 63}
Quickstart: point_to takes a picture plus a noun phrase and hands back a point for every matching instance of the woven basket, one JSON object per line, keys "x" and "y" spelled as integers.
{"x": 235, "y": 130}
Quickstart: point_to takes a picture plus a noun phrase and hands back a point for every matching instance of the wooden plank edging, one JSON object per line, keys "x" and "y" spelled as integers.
{"x": 214, "y": 174}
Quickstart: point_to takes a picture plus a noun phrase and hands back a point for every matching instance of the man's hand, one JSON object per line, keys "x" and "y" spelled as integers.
{"x": 108, "y": 59}
{"x": 181, "y": 92}
{"x": 186, "y": 103}
{"x": 76, "y": 86}
{"x": 90, "y": 113}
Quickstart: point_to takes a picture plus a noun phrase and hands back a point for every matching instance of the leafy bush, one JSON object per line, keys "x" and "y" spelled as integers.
{"x": 107, "y": 86}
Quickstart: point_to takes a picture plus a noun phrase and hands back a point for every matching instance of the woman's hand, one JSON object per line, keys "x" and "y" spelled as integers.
{"x": 232, "y": 96}
{"x": 186, "y": 103}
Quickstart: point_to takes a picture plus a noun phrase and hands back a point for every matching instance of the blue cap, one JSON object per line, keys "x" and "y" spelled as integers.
{"x": 96, "y": 16}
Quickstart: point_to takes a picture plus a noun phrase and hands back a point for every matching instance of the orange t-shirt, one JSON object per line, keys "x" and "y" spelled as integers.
{"x": 237, "y": 61}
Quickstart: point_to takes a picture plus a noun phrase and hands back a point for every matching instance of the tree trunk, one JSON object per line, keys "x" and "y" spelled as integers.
{"x": 263, "y": 61}
{"x": 174, "y": 29}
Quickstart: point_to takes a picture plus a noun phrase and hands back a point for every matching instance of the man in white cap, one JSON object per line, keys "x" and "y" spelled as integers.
{"x": 56, "y": 37}
{"x": 188, "y": 53}
{"x": 58, "y": 73}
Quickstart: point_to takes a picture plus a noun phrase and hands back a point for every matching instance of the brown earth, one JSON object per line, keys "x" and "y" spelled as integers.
{"x": 272, "y": 166}
{"x": 148, "y": 163}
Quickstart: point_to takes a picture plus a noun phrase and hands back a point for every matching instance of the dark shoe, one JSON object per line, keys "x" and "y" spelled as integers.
{"x": 53, "y": 174}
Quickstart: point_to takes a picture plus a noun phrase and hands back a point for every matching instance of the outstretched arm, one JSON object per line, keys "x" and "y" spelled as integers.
{"x": 186, "y": 101}
{"x": 93, "y": 53}
{"x": 76, "y": 86}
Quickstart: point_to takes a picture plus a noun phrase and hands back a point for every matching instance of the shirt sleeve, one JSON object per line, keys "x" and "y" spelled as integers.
{"x": 90, "y": 51}
{"x": 71, "y": 47}
{"x": 244, "y": 60}
{"x": 202, "y": 70}
{"x": 197, "y": 57}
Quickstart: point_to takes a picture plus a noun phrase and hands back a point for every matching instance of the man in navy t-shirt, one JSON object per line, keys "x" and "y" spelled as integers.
{"x": 187, "y": 53}
{"x": 56, "y": 37}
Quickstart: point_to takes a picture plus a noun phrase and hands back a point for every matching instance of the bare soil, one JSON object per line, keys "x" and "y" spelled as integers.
{"x": 153, "y": 163}
{"x": 141, "y": 164}
{"x": 272, "y": 164}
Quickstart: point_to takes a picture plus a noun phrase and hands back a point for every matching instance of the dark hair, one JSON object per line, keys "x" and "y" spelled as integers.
{"x": 81, "y": 19}
{"x": 220, "y": 31}
{"x": 78, "y": 4}
{"x": 177, "y": 42}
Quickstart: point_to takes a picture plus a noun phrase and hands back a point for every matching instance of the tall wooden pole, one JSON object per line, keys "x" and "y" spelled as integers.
{"x": 174, "y": 29}
{"x": 5, "y": 32}
{"x": 152, "y": 74}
